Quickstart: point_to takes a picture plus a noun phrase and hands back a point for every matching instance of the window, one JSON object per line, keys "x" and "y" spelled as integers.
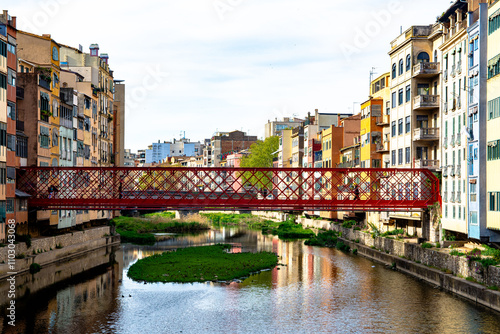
{"x": 494, "y": 201}
{"x": 494, "y": 66}
{"x": 407, "y": 155}
{"x": 9, "y": 205}
{"x": 407, "y": 124}
{"x": 393, "y": 157}
{"x": 494, "y": 22}
{"x": 22, "y": 146}
{"x": 3, "y": 173}
{"x": 401, "y": 67}
{"x": 400, "y": 156}
{"x": 55, "y": 137}
{"x": 400, "y": 96}
{"x": 408, "y": 94}
{"x": 393, "y": 128}
{"x": 408, "y": 63}
{"x": 55, "y": 108}
{"x": 22, "y": 204}
{"x": 494, "y": 108}
{"x": 11, "y": 142}
{"x": 394, "y": 71}
{"x": 11, "y": 111}
{"x": 400, "y": 126}
{"x": 3, "y": 49}
{"x": 3, "y": 81}
{"x": 3, "y": 134}
{"x": 472, "y": 192}
{"x": 493, "y": 150}
{"x": 423, "y": 57}
{"x": 44, "y": 137}
{"x": 11, "y": 48}
{"x": 11, "y": 77}
{"x": 394, "y": 99}
{"x": 473, "y": 217}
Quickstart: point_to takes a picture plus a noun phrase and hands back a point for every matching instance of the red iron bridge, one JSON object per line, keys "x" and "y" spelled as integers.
{"x": 270, "y": 189}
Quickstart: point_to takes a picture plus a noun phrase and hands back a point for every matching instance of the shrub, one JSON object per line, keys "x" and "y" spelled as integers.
{"x": 20, "y": 256}
{"x": 456, "y": 252}
{"x": 438, "y": 245}
{"x": 356, "y": 241}
{"x": 493, "y": 287}
{"x": 24, "y": 238}
{"x": 342, "y": 246}
{"x": 59, "y": 246}
{"x": 348, "y": 223}
{"x": 355, "y": 251}
{"x": 137, "y": 238}
{"x": 426, "y": 245}
{"x": 34, "y": 268}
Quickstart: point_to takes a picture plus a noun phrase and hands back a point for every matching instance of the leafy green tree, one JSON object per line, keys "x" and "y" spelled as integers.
{"x": 261, "y": 155}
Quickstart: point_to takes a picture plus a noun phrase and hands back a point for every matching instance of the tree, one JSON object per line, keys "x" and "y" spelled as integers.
{"x": 261, "y": 155}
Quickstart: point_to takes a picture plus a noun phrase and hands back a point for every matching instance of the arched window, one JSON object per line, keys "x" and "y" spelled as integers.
{"x": 423, "y": 57}
{"x": 393, "y": 71}
{"x": 435, "y": 56}
{"x": 54, "y": 162}
{"x": 408, "y": 63}
{"x": 55, "y": 108}
{"x": 401, "y": 66}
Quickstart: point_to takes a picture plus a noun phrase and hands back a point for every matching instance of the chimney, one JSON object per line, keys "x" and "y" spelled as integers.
{"x": 94, "y": 50}
{"x": 105, "y": 57}
{"x": 46, "y": 35}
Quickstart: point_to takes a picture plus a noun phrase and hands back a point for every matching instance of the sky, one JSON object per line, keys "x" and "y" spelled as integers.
{"x": 195, "y": 67}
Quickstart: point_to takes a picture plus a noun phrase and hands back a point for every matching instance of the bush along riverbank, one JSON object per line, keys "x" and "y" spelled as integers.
{"x": 139, "y": 230}
{"x": 200, "y": 264}
{"x": 329, "y": 239}
{"x": 288, "y": 229}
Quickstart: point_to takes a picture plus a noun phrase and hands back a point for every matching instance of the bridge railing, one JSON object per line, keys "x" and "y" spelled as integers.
{"x": 357, "y": 189}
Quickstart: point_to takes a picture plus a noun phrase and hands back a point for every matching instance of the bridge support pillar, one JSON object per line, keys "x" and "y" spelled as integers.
{"x": 185, "y": 213}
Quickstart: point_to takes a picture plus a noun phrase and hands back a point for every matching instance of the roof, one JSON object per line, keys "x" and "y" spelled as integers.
{"x": 22, "y": 194}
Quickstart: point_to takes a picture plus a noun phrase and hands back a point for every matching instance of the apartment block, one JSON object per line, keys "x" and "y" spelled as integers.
{"x": 493, "y": 118}
{"x": 454, "y": 87}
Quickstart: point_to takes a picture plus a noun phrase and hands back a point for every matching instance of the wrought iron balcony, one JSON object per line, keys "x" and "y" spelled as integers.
{"x": 445, "y": 196}
{"x": 458, "y": 139}
{"x": 452, "y": 141}
{"x": 453, "y": 67}
{"x": 445, "y": 142}
{"x": 445, "y": 76}
{"x": 452, "y": 171}
{"x": 445, "y": 171}
{"x": 43, "y": 83}
{"x": 426, "y": 70}
{"x": 382, "y": 148}
{"x": 458, "y": 170}
{"x": 452, "y": 197}
{"x": 423, "y": 102}
{"x": 458, "y": 198}
{"x": 426, "y": 134}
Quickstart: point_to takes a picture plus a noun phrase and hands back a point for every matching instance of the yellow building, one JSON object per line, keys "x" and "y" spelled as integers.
{"x": 493, "y": 118}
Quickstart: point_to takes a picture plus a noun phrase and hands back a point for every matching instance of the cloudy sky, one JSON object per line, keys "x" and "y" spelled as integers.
{"x": 201, "y": 66}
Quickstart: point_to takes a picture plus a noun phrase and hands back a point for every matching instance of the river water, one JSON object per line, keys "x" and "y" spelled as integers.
{"x": 318, "y": 290}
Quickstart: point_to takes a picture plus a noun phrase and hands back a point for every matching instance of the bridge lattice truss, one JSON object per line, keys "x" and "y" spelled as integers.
{"x": 278, "y": 189}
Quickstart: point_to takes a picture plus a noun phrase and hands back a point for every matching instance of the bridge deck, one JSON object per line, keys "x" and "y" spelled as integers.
{"x": 114, "y": 188}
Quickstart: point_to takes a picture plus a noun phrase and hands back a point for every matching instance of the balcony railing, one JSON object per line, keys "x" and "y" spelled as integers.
{"x": 452, "y": 141}
{"x": 445, "y": 107}
{"x": 459, "y": 66}
{"x": 381, "y": 148}
{"x": 452, "y": 171}
{"x": 426, "y": 102}
{"x": 383, "y": 120}
{"x": 453, "y": 69}
{"x": 452, "y": 197}
{"x": 43, "y": 83}
{"x": 458, "y": 170}
{"x": 445, "y": 75}
{"x": 445, "y": 171}
{"x": 349, "y": 164}
{"x": 458, "y": 139}
{"x": 445, "y": 142}
{"x": 424, "y": 163}
{"x": 458, "y": 198}
{"x": 445, "y": 197}
{"x": 459, "y": 102}
{"x": 426, "y": 134}
{"x": 426, "y": 69}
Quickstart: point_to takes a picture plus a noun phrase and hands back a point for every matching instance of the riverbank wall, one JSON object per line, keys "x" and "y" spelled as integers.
{"x": 48, "y": 250}
{"x": 438, "y": 268}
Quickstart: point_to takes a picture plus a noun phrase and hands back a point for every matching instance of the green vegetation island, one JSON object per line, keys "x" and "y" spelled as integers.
{"x": 200, "y": 264}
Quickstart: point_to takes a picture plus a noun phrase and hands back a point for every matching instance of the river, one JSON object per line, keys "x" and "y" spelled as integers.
{"x": 319, "y": 290}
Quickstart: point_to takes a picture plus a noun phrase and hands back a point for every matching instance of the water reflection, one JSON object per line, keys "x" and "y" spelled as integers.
{"x": 315, "y": 290}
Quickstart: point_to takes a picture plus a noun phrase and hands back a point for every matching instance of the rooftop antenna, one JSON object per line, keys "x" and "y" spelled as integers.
{"x": 372, "y": 72}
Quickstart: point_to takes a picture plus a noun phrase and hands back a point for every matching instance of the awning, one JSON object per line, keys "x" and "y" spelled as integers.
{"x": 22, "y": 194}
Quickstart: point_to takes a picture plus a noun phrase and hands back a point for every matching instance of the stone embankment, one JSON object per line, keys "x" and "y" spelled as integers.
{"x": 434, "y": 266}
{"x": 59, "y": 248}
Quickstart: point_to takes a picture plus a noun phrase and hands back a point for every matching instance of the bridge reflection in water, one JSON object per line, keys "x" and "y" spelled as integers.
{"x": 285, "y": 189}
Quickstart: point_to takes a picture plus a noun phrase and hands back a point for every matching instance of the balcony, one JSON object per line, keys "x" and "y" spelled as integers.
{"x": 425, "y": 134}
{"x": 383, "y": 120}
{"x": 453, "y": 104}
{"x": 445, "y": 171}
{"x": 20, "y": 93}
{"x": 445, "y": 75}
{"x": 459, "y": 67}
{"x": 445, "y": 142}
{"x": 458, "y": 171}
{"x": 452, "y": 141}
{"x": 458, "y": 141}
{"x": 429, "y": 164}
{"x": 43, "y": 83}
{"x": 445, "y": 197}
{"x": 458, "y": 198}
{"x": 453, "y": 70}
{"x": 423, "y": 102}
{"x": 382, "y": 148}
{"x": 459, "y": 102}
{"x": 426, "y": 70}
{"x": 452, "y": 197}
{"x": 452, "y": 171}
{"x": 445, "y": 107}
